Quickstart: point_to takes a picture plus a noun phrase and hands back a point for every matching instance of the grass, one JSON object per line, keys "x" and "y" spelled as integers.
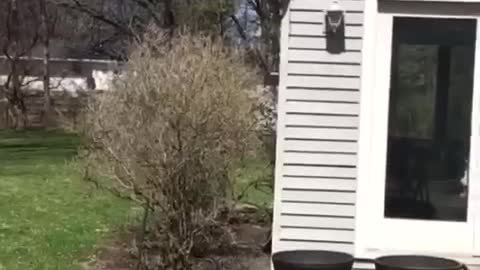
{"x": 252, "y": 180}
{"x": 49, "y": 218}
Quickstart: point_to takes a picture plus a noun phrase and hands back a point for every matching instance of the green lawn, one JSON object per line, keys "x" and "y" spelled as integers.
{"x": 251, "y": 182}
{"x": 49, "y": 218}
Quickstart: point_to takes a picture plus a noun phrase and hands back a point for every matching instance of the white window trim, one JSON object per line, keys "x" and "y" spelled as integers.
{"x": 367, "y": 82}
{"x": 366, "y": 164}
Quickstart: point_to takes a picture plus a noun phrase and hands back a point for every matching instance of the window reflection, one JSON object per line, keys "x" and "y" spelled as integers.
{"x": 429, "y": 122}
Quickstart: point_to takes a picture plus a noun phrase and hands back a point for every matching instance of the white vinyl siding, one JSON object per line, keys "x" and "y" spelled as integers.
{"x": 321, "y": 56}
{"x": 318, "y": 183}
{"x": 319, "y": 131}
{"x": 322, "y": 5}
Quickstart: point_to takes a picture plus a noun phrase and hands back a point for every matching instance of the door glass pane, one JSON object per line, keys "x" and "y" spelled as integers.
{"x": 431, "y": 92}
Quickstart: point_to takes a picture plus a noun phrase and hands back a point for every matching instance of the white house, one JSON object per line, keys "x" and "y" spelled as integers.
{"x": 378, "y": 147}
{"x": 66, "y": 74}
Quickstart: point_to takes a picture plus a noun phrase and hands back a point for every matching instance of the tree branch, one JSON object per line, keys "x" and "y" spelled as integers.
{"x": 256, "y": 52}
{"x": 256, "y": 5}
{"x": 95, "y": 14}
{"x": 150, "y": 7}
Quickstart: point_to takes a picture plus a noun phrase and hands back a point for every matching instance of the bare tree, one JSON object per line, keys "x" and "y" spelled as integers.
{"x": 19, "y": 35}
{"x": 26, "y": 26}
{"x": 46, "y": 62}
{"x": 269, "y": 14}
{"x": 124, "y": 21}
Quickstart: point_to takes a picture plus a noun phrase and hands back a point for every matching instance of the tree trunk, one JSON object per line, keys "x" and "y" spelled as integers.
{"x": 18, "y": 106}
{"x": 47, "y": 111}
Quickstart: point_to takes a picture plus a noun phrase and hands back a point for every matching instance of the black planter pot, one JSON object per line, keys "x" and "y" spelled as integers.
{"x": 414, "y": 262}
{"x": 312, "y": 260}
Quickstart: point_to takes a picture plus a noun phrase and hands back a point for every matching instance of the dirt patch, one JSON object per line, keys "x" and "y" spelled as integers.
{"x": 115, "y": 254}
{"x": 248, "y": 241}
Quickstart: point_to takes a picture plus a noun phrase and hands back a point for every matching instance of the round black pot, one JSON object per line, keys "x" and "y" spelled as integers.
{"x": 312, "y": 260}
{"x": 415, "y": 262}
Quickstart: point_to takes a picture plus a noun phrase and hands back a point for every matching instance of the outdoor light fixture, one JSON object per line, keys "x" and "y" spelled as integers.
{"x": 335, "y": 28}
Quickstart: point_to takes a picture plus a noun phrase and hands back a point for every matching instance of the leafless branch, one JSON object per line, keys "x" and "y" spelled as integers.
{"x": 97, "y": 15}
{"x": 256, "y": 52}
{"x": 151, "y": 8}
{"x": 256, "y": 5}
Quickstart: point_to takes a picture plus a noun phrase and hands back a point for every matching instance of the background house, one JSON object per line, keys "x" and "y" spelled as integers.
{"x": 71, "y": 82}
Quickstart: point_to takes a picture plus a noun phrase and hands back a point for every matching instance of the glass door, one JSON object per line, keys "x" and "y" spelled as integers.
{"x": 429, "y": 125}
{"x": 426, "y": 84}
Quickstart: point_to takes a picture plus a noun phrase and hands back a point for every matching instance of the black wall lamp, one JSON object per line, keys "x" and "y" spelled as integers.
{"x": 335, "y": 28}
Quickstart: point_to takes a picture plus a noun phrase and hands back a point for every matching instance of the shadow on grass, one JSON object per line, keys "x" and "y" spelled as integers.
{"x": 18, "y": 147}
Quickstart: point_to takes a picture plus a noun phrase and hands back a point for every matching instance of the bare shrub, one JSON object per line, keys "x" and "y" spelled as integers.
{"x": 169, "y": 134}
